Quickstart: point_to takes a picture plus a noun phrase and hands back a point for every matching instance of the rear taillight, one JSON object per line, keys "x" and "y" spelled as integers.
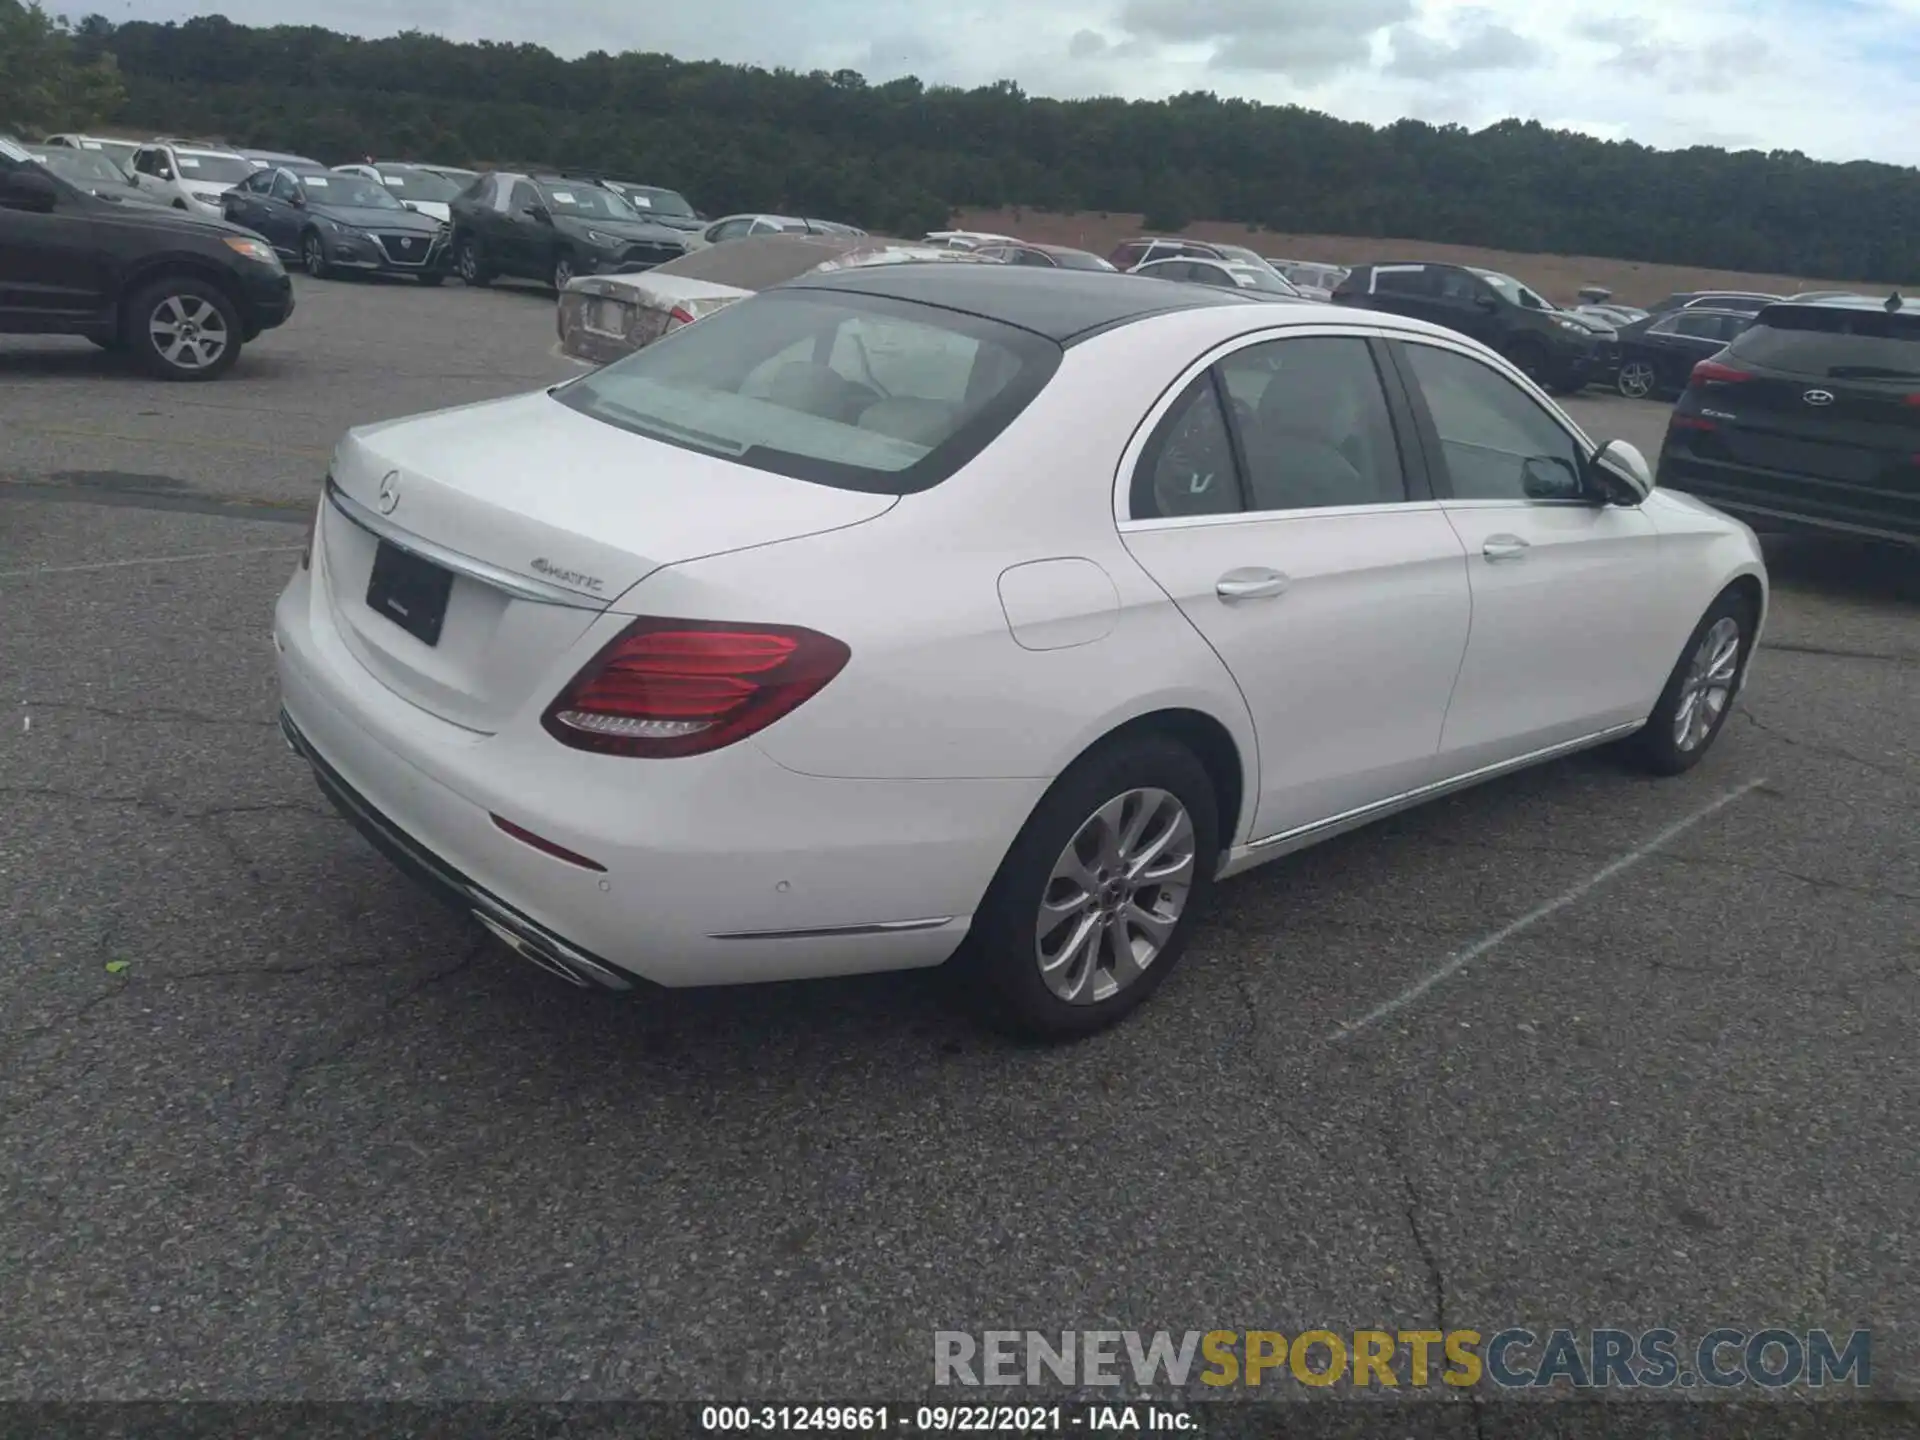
{"x": 679, "y": 316}
{"x": 668, "y": 688}
{"x": 1712, "y": 372}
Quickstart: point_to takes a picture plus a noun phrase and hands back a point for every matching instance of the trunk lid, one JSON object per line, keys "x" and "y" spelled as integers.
{"x": 544, "y": 518}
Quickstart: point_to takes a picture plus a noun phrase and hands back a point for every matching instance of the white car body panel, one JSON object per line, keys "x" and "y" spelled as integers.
{"x": 1000, "y": 624}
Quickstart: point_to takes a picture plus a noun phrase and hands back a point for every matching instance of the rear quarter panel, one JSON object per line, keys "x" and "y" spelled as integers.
{"x": 938, "y": 687}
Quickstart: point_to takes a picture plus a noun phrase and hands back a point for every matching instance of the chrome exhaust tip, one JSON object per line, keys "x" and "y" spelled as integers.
{"x": 538, "y": 950}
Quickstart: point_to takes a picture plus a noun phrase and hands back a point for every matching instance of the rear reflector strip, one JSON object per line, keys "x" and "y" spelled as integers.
{"x": 542, "y": 844}
{"x": 1691, "y": 422}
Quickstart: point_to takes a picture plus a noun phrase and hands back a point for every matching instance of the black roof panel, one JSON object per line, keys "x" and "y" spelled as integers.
{"x": 1063, "y": 305}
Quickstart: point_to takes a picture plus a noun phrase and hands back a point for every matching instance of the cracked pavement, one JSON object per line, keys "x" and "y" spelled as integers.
{"x": 277, "y": 1126}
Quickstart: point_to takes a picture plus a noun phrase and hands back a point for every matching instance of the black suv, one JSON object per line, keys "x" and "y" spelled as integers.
{"x": 1555, "y": 348}
{"x": 1810, "y": 419}
{"x": 552, "y": 228}
{"x": 181, "y": 294}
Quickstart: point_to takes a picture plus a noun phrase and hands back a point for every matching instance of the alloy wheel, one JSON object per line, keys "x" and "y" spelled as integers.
{"x": 1115, "y": 896}
{"x": 1636, "y": 380}
{"x": 314, "y": 254}
{"x": 1708, "y": 688}
{"x": 468, "y": 262}
{"x": 188, "y": 332}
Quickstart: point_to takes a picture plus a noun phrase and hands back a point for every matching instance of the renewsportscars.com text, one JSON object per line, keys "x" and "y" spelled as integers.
{"x": 1513, "y": 1359}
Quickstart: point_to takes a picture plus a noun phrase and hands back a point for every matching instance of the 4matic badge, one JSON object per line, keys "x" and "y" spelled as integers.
{"x": 574, "y": 578}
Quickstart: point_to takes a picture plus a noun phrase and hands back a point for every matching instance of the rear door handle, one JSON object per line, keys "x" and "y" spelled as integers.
{"x": 1504, "y": 547}
{"x": 1252, "y": 583}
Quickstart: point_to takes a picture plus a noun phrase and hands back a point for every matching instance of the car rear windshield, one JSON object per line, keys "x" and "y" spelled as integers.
{"x": 1834, "y": 343}
{"x": 858, "y": 392}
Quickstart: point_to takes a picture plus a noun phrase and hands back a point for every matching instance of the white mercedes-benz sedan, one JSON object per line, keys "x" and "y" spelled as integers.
{"x": 982, "y": 613}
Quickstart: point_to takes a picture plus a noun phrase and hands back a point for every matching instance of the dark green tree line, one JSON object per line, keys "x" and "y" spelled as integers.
{"x": 48, "y": 81}
{"x": 899, "y": 156}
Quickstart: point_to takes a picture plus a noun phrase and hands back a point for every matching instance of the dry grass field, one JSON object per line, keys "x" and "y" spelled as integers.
{"x": 1558, "y": 277}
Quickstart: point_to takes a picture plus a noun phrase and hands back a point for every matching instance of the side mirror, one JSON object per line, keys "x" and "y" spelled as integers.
{"x": 1548, "y": 477}
{"x": 165, "y": 172}
{"x": 299, "y": 200}
{"x": 1622, "y": 473}
{"x": 1487, "y": 303}
{"x": 539, "y": 213}
{"x": 29, "y": 189}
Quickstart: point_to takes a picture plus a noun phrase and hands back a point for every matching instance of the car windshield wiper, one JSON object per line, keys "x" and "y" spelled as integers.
{"x": 1869, "y": 372}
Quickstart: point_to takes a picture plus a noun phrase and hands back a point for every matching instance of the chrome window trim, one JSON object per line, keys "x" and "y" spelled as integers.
{"x": 520, "y": 587}
{"x": 1122, "y": 497}
{"x": 1270, "y": 517}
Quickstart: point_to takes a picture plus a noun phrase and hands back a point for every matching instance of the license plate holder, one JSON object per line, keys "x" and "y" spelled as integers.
{"x": 409, "y": 591}
{"x": 606, "y": 317}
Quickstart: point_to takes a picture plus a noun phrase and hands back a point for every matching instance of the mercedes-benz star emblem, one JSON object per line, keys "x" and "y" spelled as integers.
{"x": 390, "y": 492}
{"x": 1818, "y": 397}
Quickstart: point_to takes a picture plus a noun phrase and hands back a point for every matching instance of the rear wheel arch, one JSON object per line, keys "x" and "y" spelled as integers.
{"x": 1210, "y": 742}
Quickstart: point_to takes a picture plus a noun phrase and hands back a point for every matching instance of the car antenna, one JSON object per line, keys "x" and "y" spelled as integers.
{"x": 1894, "y": 302}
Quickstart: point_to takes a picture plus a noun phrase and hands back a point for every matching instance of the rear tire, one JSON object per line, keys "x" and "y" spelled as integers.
{"x": 180, "y": 328}
{"x": 562, "y": 271}
{"x": 1693, "y": 709}
{"x": 1094, "y": 903}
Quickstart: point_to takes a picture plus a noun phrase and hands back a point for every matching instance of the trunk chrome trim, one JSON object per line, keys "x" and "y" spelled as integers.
{"x": 1408, "y": 798}
{"x": 520, "y": 587}
{"x": 828, "y": 932}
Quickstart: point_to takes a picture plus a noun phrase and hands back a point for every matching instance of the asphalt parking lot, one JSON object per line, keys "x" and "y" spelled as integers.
{"x": 275, "y": 1126}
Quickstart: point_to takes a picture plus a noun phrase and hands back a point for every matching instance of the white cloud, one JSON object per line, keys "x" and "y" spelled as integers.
{"x": 1838, "y": 79}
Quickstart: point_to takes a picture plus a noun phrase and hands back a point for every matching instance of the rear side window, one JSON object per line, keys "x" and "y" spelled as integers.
{"x": 1405, "y": 281}
{"x": 1188, "y": 468}
{"x": 1834, "y": 344}
{"x": 854, "y": 391}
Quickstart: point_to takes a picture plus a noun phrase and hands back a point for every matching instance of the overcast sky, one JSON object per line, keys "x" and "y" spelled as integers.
{"x": 1838, "y": 79}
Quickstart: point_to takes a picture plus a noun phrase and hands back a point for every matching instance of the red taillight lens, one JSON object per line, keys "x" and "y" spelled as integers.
{"x": 667, "y": 688}
{"x": 679, "y": 316}
{"x": 1691, "y": 422}
{"x": 1712, "y": 372}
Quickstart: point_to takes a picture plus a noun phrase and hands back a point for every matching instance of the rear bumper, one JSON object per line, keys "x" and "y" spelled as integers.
{"x": 722, "y": 869}
{"x": 521, "y": 933}
{"x": 1778, "y": 500}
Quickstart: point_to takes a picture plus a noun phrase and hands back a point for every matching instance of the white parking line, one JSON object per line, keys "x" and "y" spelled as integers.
{"x": 1461, "y": 959}
{"x": 146, "y": 560}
